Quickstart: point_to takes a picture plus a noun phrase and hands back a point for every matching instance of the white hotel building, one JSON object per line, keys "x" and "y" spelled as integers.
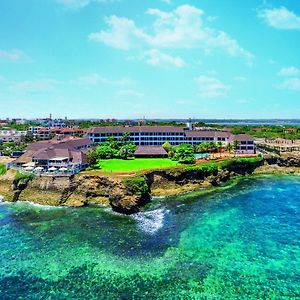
{"x": 157, "y": 135}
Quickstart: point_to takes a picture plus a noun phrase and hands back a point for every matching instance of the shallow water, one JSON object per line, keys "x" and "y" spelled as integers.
{"x": 241, "y": 243}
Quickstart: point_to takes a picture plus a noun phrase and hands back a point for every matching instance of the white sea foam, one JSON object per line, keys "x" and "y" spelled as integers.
{"x": 43, "y": 206}
{"x": 3, "y": 202}
{"x": 151, "y": 221}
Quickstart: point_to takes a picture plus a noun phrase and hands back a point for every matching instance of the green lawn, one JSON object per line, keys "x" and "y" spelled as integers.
{"x": 2, "y": 169}
{"x": 131, "y": 165}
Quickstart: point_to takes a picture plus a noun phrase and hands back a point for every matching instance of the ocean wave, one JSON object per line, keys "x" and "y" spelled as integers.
{"x": 151, "y": 221}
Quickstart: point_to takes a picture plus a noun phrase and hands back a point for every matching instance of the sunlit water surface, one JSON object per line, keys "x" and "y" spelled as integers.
{"x": 240, "y": 243}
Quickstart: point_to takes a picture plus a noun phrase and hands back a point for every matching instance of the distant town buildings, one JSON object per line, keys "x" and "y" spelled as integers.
{"x": 43, "y": 133}
{"x": 12, "y": 136}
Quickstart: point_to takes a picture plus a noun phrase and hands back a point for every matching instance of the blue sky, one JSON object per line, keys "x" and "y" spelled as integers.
{"x": 152, "y": 58}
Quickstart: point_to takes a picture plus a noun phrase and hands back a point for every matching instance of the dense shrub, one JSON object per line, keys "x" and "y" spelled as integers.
{"x": 112, "y": 148}
{"x": 137, "y": 186}
{"x": 167, "y": 146}
{"x": 127, "y": 150}
{"x": 184, "y": 154}
{"x": 240, "y": 161}
{"x": 106, "y": 152}
{"x": 206, "y": 168}
{"x": 20, "y": 176}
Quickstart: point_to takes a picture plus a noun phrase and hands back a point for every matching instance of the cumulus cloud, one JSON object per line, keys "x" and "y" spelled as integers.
{"x": 292, "y": 84}
{"x": 240, "y": 78}
{"x": 97, "y": 79}
{"x": 182, "y": 28}
{"x": 14, "y": 55}
{"x": 289, "y": 71}
{"x": 211, "y": 87}
{"x": 155, "y": 57}
{"x": 293, "y": 81}
{"x": 34, "y": 86}
{"x": 129, "y": 93}
{"x": 76, "y": 4}
{"x": 280, "y": 18}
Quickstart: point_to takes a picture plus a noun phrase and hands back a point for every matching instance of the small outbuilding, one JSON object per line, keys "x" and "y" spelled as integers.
{"x": 150, "y": 152}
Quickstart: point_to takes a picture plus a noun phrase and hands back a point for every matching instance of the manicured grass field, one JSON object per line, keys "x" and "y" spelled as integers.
{"x": 2, "y": 169}
{"x": 132, "y": 165}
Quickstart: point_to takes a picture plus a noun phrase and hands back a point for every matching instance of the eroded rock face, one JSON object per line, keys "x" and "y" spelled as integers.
{"x": 285, "y": 160}
{"x": 74, "y": 191}
{"x": 170, "y": 182}
{"x": 123, "y": 195}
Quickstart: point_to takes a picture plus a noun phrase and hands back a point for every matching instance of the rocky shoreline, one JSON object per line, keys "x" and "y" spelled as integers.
{"x": 128, "y": 195}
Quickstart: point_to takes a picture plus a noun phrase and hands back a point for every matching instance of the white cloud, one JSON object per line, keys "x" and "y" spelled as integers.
{"x": 74, "y": 3}
{"x": 242, "y": 101}
{"x": 34, "y": 86}
{"x": 123, "y": 34}
{"x": 280, "y": 18}
{"x": 166, "y": 1}
{"x": 157, "y": 58}
{"x": 14, "y": 55}
{"x": 211, "y": 87}
{"x": 240, "y": 78}
{"x": 96, "y": 79}
{"x": 129, "y": 93}
{"x": 289, "y": 71}
{"x": 291, "y": 84}
{"x": 182, "y": 28}
{"x": 293, "y": 81}
{"x": 77, "y": 4}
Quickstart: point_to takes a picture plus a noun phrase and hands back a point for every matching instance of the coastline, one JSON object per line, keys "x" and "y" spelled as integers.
{"x": 133, "y": 194}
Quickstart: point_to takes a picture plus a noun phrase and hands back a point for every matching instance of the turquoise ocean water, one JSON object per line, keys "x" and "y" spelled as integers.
{"x": 241, "y": 242}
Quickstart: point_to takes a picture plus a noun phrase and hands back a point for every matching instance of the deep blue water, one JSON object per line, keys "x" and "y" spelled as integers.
{"x": 239, "y": 242}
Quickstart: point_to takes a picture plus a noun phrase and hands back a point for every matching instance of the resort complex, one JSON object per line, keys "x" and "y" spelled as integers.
{"x": 64, "y": 147}
{"x": 157, "y": 135}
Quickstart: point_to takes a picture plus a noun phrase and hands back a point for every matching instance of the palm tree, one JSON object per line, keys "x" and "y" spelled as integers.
{"x": 125, "y": 138}
{"x": 236, "y": 145}
{"x": 229, "y": 148}
{"x": 219, "y": 147}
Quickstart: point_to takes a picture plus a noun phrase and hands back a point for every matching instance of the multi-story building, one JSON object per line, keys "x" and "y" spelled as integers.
{"x": 12, "y": 136}
{"x": 43, "y": 133}
{"x": 157, "y": 135}
{"x": 68, "y": 154}
{"x": 245, "y": 143}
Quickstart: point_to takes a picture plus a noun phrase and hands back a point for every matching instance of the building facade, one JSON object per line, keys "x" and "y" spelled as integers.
{"x": 67, "y": 154}
{"x": 157, "y": 135}
{"x": 12, "y": 136}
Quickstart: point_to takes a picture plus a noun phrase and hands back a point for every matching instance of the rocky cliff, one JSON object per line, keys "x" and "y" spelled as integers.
{"x": 173, "y": 182}
{"x": 284, "y": 160}
{"x": 125, "y": 195}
